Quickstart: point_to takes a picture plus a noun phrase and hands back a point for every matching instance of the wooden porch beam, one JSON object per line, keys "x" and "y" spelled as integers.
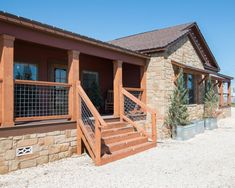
{"x": 7, "y": 76}
{"x": 217, "y": 83}
{"x": 73, "y": 77}
{"x": 74, "y": 104}
{"x": 221, "y": 101}
{"x": 117, "y": 85}
{"x": 229, "y": 94}
{"x": 205, "y": 77}
{"x": 143, "y": 83}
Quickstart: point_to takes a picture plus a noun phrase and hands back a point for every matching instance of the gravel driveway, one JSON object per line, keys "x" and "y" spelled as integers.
{"x": 208, "y": 160}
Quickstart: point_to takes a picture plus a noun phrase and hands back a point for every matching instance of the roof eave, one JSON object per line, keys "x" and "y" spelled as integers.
{"x": 208, "y": 48}
{"x": 11, "y": 18}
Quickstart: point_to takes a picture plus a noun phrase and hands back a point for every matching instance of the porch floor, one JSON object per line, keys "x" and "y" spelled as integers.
{"x": 42, "y": 122}
{"x": 108, "y": 118}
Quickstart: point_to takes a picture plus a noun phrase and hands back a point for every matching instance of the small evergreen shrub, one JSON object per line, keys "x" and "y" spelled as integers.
{"x": 178, "y": 112}
{"x": 211, "y": 100}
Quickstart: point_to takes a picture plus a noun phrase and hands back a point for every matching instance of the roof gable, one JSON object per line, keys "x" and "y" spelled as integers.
{"x": 159, "y": 38}
{"x": 162, "y": 39}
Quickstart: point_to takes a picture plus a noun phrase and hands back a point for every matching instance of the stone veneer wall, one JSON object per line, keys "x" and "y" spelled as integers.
{"x": 160, "y": 85}
{"x": 47, "y": 147}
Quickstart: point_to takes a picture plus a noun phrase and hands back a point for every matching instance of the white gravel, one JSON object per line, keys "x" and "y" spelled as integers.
{"x": 208, "y": 160}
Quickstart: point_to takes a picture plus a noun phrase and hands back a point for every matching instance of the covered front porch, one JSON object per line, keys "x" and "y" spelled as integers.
{"x": 38, "y": 83}
{"x": 196, "y": 82}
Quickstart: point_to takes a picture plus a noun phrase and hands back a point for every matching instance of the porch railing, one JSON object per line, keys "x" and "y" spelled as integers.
{"x": 137, "y": 92}
{"x": 226, "y": 99}
{"x": 37, "y": 100}
{"x": 89, "y": 124}
{"x": 138, "y": 114}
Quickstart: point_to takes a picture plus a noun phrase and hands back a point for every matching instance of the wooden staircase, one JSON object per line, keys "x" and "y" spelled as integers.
{"x": 112, "y": 139}
{"x": 119, "y": 140}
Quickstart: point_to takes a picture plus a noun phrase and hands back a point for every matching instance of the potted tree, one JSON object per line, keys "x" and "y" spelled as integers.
{"x": 182, "y": 128}
{"x": 210, "y": 107}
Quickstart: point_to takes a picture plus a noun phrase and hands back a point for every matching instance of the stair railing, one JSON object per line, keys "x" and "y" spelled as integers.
{"x": 138, "y": 114}
{"x": 89, "y": 124}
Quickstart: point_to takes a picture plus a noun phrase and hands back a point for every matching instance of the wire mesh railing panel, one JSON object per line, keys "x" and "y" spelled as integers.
{"x": 137, "y": 94}
{"x": 132, "y": 110}
{"x": 38, "y": 100}
{"x": 87, "y": 117}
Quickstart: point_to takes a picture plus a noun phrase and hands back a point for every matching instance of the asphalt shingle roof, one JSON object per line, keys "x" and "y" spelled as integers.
{"x": 153, "y": 39}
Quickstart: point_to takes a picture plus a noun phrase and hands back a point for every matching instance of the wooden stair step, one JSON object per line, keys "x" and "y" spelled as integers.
{"x": 114, "y": 125}
{"x": 112, "y": 119}
{"x": 116, "y": 131}
{"x": 127, "y": 143}
{"x": 126, "y": 152}
{"x": 120, "y": 137}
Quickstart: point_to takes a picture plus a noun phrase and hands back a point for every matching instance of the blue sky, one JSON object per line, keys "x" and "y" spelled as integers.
{"x": 106, "y": 20}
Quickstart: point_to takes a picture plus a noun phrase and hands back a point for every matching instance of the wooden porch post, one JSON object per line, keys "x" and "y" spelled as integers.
{"x": 73, "y": 79}
{"x": 117, "y": 84}
{"x": 143, "y": 82}
{"x": 221, "y": 91}
{"x": 6, "y": 74}
{"x": 229, "y": 94}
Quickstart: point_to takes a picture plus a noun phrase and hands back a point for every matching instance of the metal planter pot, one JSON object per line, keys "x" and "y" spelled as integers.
{"x": 200, "y": 128}
{"x": 184, "y": 132}
{"x": 211, "y": 123}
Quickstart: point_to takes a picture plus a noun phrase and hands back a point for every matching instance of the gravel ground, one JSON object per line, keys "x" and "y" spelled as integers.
{"x": 208, "y": 160}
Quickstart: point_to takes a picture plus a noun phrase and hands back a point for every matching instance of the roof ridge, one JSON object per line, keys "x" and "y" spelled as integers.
{"x": 154, "y": 30}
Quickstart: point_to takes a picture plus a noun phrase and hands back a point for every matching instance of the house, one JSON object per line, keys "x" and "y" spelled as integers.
{"x": 61, "y": 92}
{"x": 181, "y": 46}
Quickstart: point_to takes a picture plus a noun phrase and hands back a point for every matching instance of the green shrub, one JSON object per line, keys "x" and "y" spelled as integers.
{"x": 211, "y": 100}
{"x": 178, "y": 112}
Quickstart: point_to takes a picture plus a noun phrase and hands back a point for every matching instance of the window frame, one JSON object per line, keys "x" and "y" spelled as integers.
{"x": 26, "y": 63}
{"x": 55, "y": 76}
{"x": 192, "y": 89}
{"x": 53, "y": 67}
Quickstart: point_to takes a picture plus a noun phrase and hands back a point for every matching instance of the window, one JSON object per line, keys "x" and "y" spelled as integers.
{"x": 88, "y": 78}
{"x": 60, "y": 75}
{"x": 189, "y": 84}
{"x": 25, "y": 71}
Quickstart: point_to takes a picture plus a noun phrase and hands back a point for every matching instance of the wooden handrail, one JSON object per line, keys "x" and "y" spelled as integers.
{"x": 140, "y": 129}
{"x": 85, "y": 140}
{"x": 42, "y": 83}
{"x": 137, "y": 101}
{"x": 133, "y": 89}
{"x": 96, "y": 147}
{"x": 90, "y": 105}
{"x": 145, "y": 108}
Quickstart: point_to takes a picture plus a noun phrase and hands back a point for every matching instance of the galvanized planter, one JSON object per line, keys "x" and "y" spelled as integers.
{"x": 186, "y": 132}
{"x": 211, "y": 123}
{"x": 200, "y": 128}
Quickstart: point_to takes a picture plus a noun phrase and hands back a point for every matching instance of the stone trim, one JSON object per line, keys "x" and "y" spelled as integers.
{"x": 47, "y": 147}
